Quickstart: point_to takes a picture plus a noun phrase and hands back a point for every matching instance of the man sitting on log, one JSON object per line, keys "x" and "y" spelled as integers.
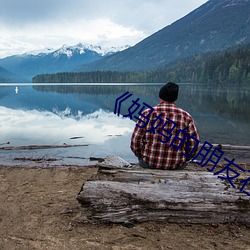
{"x": 165, "y": 136}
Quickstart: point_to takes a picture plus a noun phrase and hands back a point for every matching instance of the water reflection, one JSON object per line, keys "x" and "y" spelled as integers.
{"x": 35, "y": 127}
{"x": 222, "y": 114}
{"x": 52, "y": 114}
{"x": 225, "y": 101}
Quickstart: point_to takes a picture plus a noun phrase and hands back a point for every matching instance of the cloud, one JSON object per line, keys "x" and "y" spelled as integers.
{"x": 33, "y": 127}
{"x": 142, "y": 14}
{"x": 30, "y": 24}
{"x": 38, "y": 36}
{"x": 22, "y": 12}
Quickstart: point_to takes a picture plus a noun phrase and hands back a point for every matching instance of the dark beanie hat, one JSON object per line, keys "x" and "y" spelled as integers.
{"x": 169, "y": 92}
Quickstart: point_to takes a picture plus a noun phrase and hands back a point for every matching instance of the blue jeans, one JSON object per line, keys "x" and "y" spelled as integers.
{"x": 145, "y": 165}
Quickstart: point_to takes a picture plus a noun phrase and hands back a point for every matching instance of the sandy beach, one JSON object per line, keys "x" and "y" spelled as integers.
{"x": 38, "y": 210}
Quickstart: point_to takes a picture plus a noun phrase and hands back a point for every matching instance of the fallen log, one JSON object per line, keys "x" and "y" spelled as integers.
{"x": 136, "y": 195}
{"x": 230, "y": 147}
{"x": 40, "y": 159}
{"x": 29, "y": 147}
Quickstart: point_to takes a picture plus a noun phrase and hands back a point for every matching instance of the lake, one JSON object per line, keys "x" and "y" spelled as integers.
{"x": 83, "y": 114}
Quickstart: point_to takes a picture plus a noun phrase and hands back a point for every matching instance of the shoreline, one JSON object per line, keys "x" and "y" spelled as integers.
{"x": 39, "y": 210}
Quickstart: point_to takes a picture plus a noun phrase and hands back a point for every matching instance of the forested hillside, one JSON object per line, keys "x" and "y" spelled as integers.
{"x": 229, "y": 66}
{"x": 214, "y": 26}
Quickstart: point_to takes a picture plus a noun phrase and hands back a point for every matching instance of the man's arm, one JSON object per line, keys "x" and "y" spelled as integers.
{"x": 138, "y": 137}
{"x": 192, "y": 143}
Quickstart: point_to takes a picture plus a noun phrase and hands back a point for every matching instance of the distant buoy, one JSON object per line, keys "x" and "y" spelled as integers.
{"x": 16, "y": 90}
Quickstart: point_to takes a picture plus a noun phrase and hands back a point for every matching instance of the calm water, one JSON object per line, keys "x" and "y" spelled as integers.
{"x": 84, "y": 114}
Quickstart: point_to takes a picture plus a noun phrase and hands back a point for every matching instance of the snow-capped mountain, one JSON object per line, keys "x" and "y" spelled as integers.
{"x": 81, "y": 48}
{"x": 64, "y": 59}
{"x": 214, "y": 26}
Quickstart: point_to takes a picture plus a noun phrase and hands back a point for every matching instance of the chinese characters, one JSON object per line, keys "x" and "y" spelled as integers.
{"x": 206, "y": 154}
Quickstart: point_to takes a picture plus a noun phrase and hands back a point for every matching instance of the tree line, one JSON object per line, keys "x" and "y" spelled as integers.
{"x": 231, "y": 66}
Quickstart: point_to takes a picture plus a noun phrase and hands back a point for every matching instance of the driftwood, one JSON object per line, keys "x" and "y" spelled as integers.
{"x": 39, "y": 159}
{"x": 113, "y": 161}
{"x": 136, "y": 195}
{"x": 29, "y": 147}
{"x": 230, "y": 147}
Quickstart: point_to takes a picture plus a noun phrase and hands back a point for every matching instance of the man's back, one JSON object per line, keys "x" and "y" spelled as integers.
{"x": 154, "y": 143}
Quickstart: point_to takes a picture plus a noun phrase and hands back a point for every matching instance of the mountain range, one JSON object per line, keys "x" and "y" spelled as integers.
{"x": 214, "y": 26}
{"x": 64, "y": 59}
{"x": 7, "y": 76}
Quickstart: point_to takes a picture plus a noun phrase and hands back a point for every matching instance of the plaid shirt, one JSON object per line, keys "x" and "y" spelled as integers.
{"x": 153, "y": 143}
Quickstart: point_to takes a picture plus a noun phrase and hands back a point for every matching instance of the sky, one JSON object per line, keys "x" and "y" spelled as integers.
{"x": 32, "y": 25}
